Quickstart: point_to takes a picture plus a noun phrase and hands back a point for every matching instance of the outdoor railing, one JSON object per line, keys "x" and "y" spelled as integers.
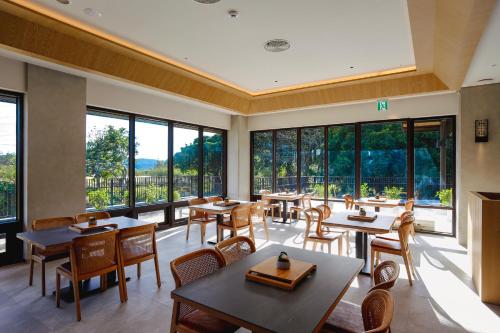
{"x": 7, "y": 200}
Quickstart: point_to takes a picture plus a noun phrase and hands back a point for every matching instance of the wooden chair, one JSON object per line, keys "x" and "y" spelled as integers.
{"x": 240, "y": 219}
{"x": 90, "y": 256}
{"x": 197, "y": 217}
{"x": 235, "y": 248}
{"x": 393, "y": 236}
{"x": 327, "y": 212}
{"x": 185, "y": 270}
{"x": 305, "y": 203}
{"x": 385, "y": 275}
{"x": 81, "y": 218}
{"x": 258, "y": 216}
{"x": 314, "y": 215}
{"x": 136, "y": 246}
{"x": 269, "y": 206}
{"x": 374, "y": 315}
{"x": 399, "y": 247}
{"x": 349, "y": 201}
{"x": 42, "y": 256}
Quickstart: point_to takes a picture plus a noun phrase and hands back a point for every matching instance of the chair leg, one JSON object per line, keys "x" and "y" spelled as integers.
{"x": 405, "y": 259}
{"x": 329, "y": 248}
{"x": 252, "y": 236}
{"x": 58, "y": 289}
{"x": 266, "y": 229}
{"x": 76, "y": 293}
{"x": 123, "y": 284}
{"x": 43, "y": 278}
{"x": 314, "y": 245}
{"x": 372, "y": 259}
{"x": 339, "y": 240}
{"x": 32, "y": 266}
{"x": 305, "y": 243}
{"x": 138, "y": 270}
{"x": 411, "y": 263}
{"x": 377, "y": 259}
{"x": 157, "y": 269}
{"x": 347, "y": 242}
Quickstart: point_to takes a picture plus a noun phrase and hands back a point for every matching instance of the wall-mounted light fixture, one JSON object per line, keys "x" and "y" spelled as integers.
{"x": 481, "y": 130}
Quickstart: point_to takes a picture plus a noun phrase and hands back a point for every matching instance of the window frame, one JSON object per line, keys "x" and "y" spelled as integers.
{"x": 410, "y": 178}
{"x": 133, "y": 210}
{"x": 11, "y": 226}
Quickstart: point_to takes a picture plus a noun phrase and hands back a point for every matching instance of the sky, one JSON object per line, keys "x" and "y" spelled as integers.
{"x": 7, "y": 128}
{"x": 152, "y": 137}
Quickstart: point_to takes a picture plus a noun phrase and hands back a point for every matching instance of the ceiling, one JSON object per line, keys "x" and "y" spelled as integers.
{"x": 327, "y": 37}
{"x": 486, "y": 61}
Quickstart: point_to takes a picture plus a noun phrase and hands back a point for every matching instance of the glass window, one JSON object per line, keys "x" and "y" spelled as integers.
{"x": 151, "y": 161}
{"x": 107, "y": 160}
{"x": 341, "y": 161}
{"x": 433, "y": 149}
{"x": 286, "y": 160}
{"x": 312, "y": 161}
{"x": 213, "y": 163}
{"x": 262, "y": 161}
{"x": 185, "y": 162}
{"x": 383, "y": 159}
{"x": 8, "y": 158}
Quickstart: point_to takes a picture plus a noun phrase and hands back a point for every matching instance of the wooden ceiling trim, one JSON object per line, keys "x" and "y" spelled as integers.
{"x": 459, "y": 27}
{"x": 68, "y": 46}
{"x": 408, "y": 85}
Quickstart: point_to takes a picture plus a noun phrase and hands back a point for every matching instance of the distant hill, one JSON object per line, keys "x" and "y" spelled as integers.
{"x": 145, "y": 163}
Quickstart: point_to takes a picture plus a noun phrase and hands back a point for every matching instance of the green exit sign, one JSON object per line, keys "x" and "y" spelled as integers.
{"x": 382, "y": 105}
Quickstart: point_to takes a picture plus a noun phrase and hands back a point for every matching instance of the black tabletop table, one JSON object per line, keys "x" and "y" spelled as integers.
{"x": 262, "y": 308}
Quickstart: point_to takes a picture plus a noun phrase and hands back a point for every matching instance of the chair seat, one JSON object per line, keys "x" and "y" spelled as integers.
{"x": 327, "y": 236}
{"x": 200, "y": 321}
{"x": 228, "y": 224}
{"x": 203, "y": 220}
{"x": 391, "y": 237}
{"x": 346, "y": 317}
{"x": 386, "y": 243}
{"x": 56, "y": 252}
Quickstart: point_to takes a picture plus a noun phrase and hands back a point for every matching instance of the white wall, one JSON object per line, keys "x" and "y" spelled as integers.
{"x": 139, "y": 101}
{"x": 409, "y": 107}
{"x": 12, "y": 75}
{"x": 238, "y": 159}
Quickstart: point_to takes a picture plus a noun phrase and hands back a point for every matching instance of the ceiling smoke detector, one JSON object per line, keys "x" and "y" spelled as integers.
{"x": 233, "y": 13}
{"x": 207, "y": 2}
{"x": 277, "y": 45}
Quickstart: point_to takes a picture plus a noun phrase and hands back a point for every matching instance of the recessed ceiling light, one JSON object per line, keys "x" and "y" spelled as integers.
{"x": 207, "y": 2}
{"x": 275, "y": 81}
{"x": 277, "y": 45}
{"x": 494, "y": 65}
{"x": 233, "y": 13}
{"x": 351, "y": 67}
{"x": 92, "y": 12}
{"x": 64, "y": 2}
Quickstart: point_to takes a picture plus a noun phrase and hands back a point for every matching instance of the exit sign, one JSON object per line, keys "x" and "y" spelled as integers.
{"x": 382, "y": 105}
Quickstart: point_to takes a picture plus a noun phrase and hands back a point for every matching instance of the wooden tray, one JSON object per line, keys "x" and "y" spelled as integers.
{"x": 83, "y": 228}
{"x": 226, "y": 204}
{"x": 368, "y": 218}
{"x": 377, "y": 200}
{"x": 266, "y": 272}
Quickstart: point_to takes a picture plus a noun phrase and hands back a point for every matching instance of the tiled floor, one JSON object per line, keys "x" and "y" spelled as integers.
{"x": 441, "y": 300}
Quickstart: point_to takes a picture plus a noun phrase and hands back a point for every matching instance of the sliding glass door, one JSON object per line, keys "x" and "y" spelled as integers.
{"x": 10, "y": 177}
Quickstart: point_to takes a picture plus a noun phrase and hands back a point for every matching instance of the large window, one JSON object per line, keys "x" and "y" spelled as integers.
{"x": 312, "y": 161}
{"x": 186, "y": 159}
{"x": 383, "y": 159}
{"x": 107, "y": 160}
{"x": 286, "y": 160}
{"x": 8, "y": 157}
{"x": 341, "y": 161}
{"x": 151, "y": 161}
{"x": 213, "y": 162}
{"x": 401, "y": 159}
{"x": 148, "y": 167}
{"x": 262, "y": 161}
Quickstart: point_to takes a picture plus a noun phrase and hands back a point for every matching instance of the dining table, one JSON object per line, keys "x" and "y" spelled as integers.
{"x": 219, "y": 210}
{"x": 381, "y": 225}
{"x": 57, "y": 237}
{"x": 285, "y": 198}
{"x": 377, "y": 203}
{"x": 228, "y": 295}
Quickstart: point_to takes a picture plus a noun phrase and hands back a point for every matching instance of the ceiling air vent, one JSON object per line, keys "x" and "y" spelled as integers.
{"x": 485, "y": 80}
{"x": 207, "y": 2}
{"x": 277, "y": 45}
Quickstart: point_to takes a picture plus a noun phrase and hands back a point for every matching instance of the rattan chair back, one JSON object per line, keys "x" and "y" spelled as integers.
{"x": 235, "y": 248}
{"x": 377, "y": 311}
{"x": 85, "y": 217}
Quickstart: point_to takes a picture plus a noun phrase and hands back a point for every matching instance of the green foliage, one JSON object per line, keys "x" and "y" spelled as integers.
{"x": 8, "y": 168}
{"x": 393, "y": 192}
{"x": 177, "y": 196}
{"x": 99, "y": 199}
{"x": 319, "y": 190}
{"x": 107, "y": 153}
{"x": 155, "y": 193}
{"x": 366, "y": 191}
{"x": 445, "y": 196}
